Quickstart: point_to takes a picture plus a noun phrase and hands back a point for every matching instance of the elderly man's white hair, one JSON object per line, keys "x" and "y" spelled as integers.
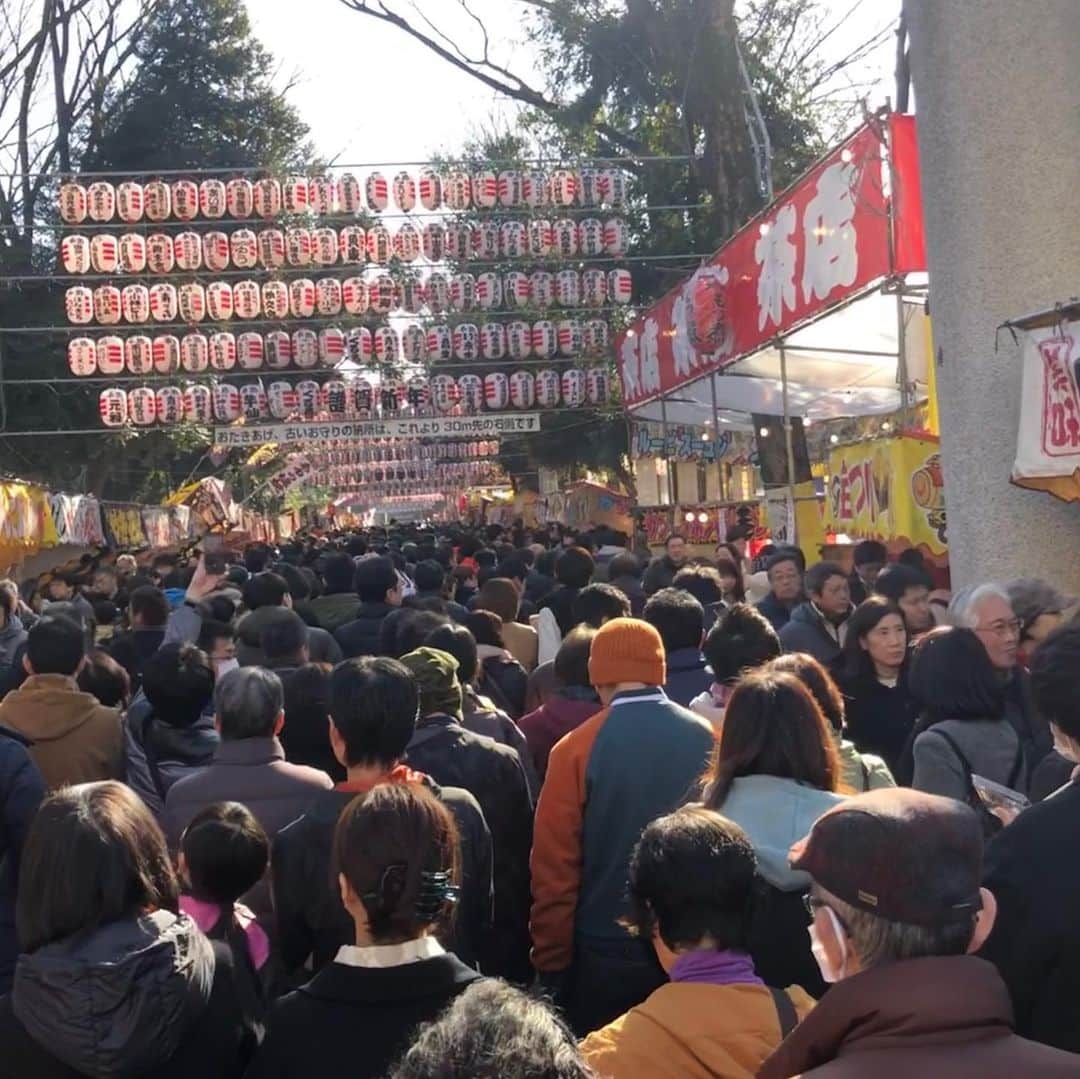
{"x": 964, "y": 606}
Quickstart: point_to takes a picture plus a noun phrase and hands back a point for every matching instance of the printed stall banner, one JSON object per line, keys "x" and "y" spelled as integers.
{"x": 78, "y": 520}
{"x": 825, "y": 240}
{"x": 890, "y": 490}
{"x": 1048, "y": 442}
{"x": 26, "y": 520}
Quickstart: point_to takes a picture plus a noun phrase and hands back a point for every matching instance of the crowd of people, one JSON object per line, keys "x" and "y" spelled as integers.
{"x": 449, "y": 802}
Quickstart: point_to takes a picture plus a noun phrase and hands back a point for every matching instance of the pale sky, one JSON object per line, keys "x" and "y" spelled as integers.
{"x": 370, "y": 93}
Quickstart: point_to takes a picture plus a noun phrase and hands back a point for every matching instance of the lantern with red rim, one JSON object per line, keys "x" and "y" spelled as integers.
{"x": 323, "y": 195}
{"x": 591, "y": 235}
{"x": 104, "y": 253}
{"x": 568, "y": 337}
{"x": 112, "y": 407}
{"x": 73, "y": 203}
{"x": 359, "y": 345}
{"x": 597, "y": 384}
{"x": 305, "y": 347}
{"x": 198, "y": 404}
{"x": 567, "y": 288}
{"x": 165, "y": 351}
{"x": 187, "y": 250}
{"x": 594, "y": 288}
{"x": 407, "y": 242}
{"x": 275, "y": 299}
{"x": 573, "y": 387}
{"x": 282, "y": 399}
{"x": 616, "y": 236}
{"x": 590, "y": 187}
{"x": 566, "y": 238}
{"x": 563, "y": 187}
{"x": 363, "y": 396}
{"x": 194, "y": 353}
{"x": 298, "y": 246}
{"x": 413, "y": 296}
{"x": 135, "y": 303}
{"x": 185, "y": 200}
{"x": 440, "y": 343}
{"x": 548, "y": 388}
{"x": 110, "y": 355}
{"x": 331, "y": 346}
{"x": 493, "y": 341}
{"x": 385, "y": 344}
{"x": 457, "y": 190}
{"x": 301, "y": 297}
{"x": 75, "y": 254}
{"x": 247, "y": 299}
{"x": 101, "y": 201}
{"x": 542, "y": 288}
{"x": 496, "y": 391}
{"x": 513, "y": 239}
{"x": 157, "y": 200}
{"x": 463, "y": 292}
{"x": 485, "y": 187}
{"x": 404, "y": 191}
{"x": 132, "y": 252}
{"x": 226, "y": 402}
{"x": 212, "y": 198}
{"x": 244, "y": 249}
{"x": 391, "y": 395}
{"x": 471, "y": 392}
{"x": 129, "y": 201}
{"x": 219, "y": 301}
{"x": 518, "y": 340}
{"x": 191, "y": 300}
{"x": 336, "y": 398}
{"x": 82, "y": 356}
{"x": 445, "y": 393}
{"x": 266, "y": 197}
{"x": 382, "y": 294}
{"x": 328, "y": 296}
{"x": 379, "y": 245}
{"x": 418, "y": 393}
{"x": 296, "y": 195}
{"x": 433, "y": 241}
{"x": 541, "y": 238}
{"x": 107, "y": 305}
{"x": 595, "y": 334}
{"x": 486, "y": 238}
{"x": 377, "y": 192}
{"x": 517, "y": 289}
{"x": 168, "y": 404}
{"x": 620, "y": 286}
{"x": 278, "y": 350}
{"x": 215, "y": 251}
{"x": 250, "y": 353}
{"x": 466, "y": 340}
{"x": 509, "y": 189}
{"x": 437, "y": 290}
{"x": 489, "y": 291}
{"x": 239, "y": 197}
{"x": 354, "y": 295}
{"x": 159, "y": 253}
{"x": 544, "y": 339}
{"x": 350, "y": 193}
{"x": 522, "y": 389}
{"x": 430, "y": 190}
{"x": 324, "y": 246}
{"x": 461, "y": 240}
{"x": 271, "y": 248}
{"x": 534, "y": 189}
{"x": 414, "y": 343}
{"x": 352, "y": 244}
{"x": 138, "y": 355}
{"x": 253, "y": 403}
{"x": 222, "y": 351}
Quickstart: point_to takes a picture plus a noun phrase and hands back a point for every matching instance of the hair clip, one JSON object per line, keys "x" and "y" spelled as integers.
{"x": 388, "y": 891}
{"x": 435, "y": 890}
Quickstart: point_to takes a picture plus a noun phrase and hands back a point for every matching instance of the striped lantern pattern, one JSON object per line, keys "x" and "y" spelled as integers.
{"x": 104, "y": 253}
{"x": 414, "y": 343}
{"x": 407, "y": 242}
{"x": 517, "y": 289}
{"x": 129, "y": 201}
{"x": 331, "y": 346}
{"x": 352, "y": 244}
{"x": 272, "y": 248}
{"x": 324, "y": 247}
{"x": 382, "y": 294}
{"x": 239, "y": 198}
{"x": 328, "y": 296}
{"x": 298, "y": 247}
{"x": 493, "y": 341}
{"x": 279, "y": 352}
{"x": 212, "y": 198}
{"x": 222, "y": 351}
{"x": 73, "y": 203}
{"x": 275, "y": 299}
{"x": 496, "y": 390}
{"x": 169, "y": 404}
{"x": 440, "y": 343}
{"x": 194, "y": 353}
{"x": 185, "y": 200}
{"x": 101, "y": 201}
{"x": 159, "y": 253}
{"x": 157, "y": 200}
{"x": 377, "y": 192}
{"x": 75, "y": 254}
{"x": 266, "y": 197}
{"x": 573, "y": 387}
{"x": 132, "y": 252}
{"x": 305, "y": 346}
{"x": 445, "y": 393}
{"x": 79, "y": 305}
{"x": 430, "y": 190}
{"x": 466, "y": 341}
{"x": 471, "y": 391}
{"x": 110, "y": 355}
{"x": 548, "y": 388}
{"x": 301, "y": 297}
{"x": 191, "y": 302}
{"x": 544, "y": 339}
{"x": 82, "y": 356}
{"x": 518, "y": 340}
{"x": 379, "y": 244}
{"x": 198, "y": 404}
{"x": 385, "y": 343}
{"x": 226, "y": 402}
{"x": 522, "y": 389}
{"x": 139, "y": 354}
{"x": 142, "y": 406}
{"x": 404, "y": 192}
{"x": 350, "y": 194}
{"x": 358, "y": 344}
{"x": 187, "y": 250}
{"x": 489, "y": 291}
{"x": 354, "y": 295}
{"x": 219, "y": 301}
{"x": 247, "y": 299}
{"x": 107, "y": 305}
{"x": 569, "y": 338}
{"x": 135, "y": 303}
{"x": 250, "y": 353}
{"x": 215, "y": 251}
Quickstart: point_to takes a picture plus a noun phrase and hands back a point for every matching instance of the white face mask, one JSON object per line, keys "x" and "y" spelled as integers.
{"x": 828, "y": 973}
{"x": 223, "y": 666}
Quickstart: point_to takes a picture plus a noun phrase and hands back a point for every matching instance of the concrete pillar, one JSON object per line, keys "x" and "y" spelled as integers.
{"x": 997, "y": 92}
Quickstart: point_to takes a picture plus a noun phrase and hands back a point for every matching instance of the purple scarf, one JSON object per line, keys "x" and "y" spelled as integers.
{"x": 715, "y": 968}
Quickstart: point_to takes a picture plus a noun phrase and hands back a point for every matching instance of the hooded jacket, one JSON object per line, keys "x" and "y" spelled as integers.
{"x": 75, "y": 739}
{"x": 322, "y": 648}
{"x": 137, "y": 997}
{"x": 806, "y": 631}
{"x": 939, "y": 1016}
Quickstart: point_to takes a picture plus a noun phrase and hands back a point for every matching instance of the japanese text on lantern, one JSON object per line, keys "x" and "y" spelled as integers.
{"x": 1061, "y": 410}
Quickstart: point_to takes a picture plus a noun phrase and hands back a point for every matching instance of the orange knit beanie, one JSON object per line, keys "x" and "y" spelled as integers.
{"x": 627, "y": 650}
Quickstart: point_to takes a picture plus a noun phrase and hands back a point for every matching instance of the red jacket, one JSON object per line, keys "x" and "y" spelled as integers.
{"x": 551, "y": 721}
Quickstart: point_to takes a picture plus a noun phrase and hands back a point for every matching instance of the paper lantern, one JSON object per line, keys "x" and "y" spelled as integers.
{"x": 509, "y": 187}
{"x": 489, "y": 291}
{"x": 541, "y": 238}
{"x": 522, "y": 390}
{"x": 185, "y": 200}
{"x": 620, "y": 286}
{"x": 135, "y": 303}
{"x": 363, "y": 396}
{"x": 191, "y": 300}
{"x": 352, "y": 244}
{"x": 566, "y": 237}
{"x": 359, "y": 345}
{"x": 110, "y": 355}
{"x": 198, "y": 404}
{"x": 222, "y": 351}
{"x": 413, "y": 343}
{"x": 239, "y": 197}
{"x": 573, "y": 387}
{"x": 379, "y": 244}
{"x": 324, "y": 247}
{"x": 82, "y": 356}
{"x": 616, "y": 236}
{"x": 437, "y": 290}
{"x": 250, "y": 352}
{"x": 219, "y": 301}
{"x": 279, "y": 352}
{"x": 471, "y": 392}
{"x": 595, "y": 337}
{"x": 407, "y": 242}
{"x": 295, "y": 194}
{"x": 354, "y": 295}
{"x": 112, "y": 407}
{"x": 244, "y": 249}
{"x": 517, "y": 289}
{"x": 159, "y": 253}
{"x": 350, "y": 194}
{"x": 493, "y": 341}
{"x": 568, "y": 337}
{"x": 165, "y": 351}
{"x": 404, "y": 191}
{"x": 440, "y": 344}
{"x": 430, "y": 187}
{"x": 215, "y": 251}
{"x": 385, "y": 344}
{"x": 132, "y": 252}
{"x": 382, "y": 294}
{"x": 445, "y": 393}
{"x": 247, "y": 299}
{"x": 548, "y": 388}
{"x": 226, "y": 402}
{"x": 542, "y": 288}
{"x": 597, "y": 381}
{"x": 305, "y": 348}
{"x": 336, "y": 396}
{"x": 138, "y": 354}
{"x": 486, "y": 238}
{"x": 457, "y": 191}
{"x": 391, "y": 395}
{"x": 107, "y": 308}
{"x": 79, "y": 305}
{"x": 323, "y": 195}
{"x": 253, "y": 403}
{"x": 418, "y": 392}
{"x": 466, "y": 339}
{"x": 460, "y": 240}
{"x": 169, "y": 404}
{"x": 212, "y": 198}
{"x": 615, "y": 188}
{"x": 594, "y": 288}
{"x": 563, "y": 187}
{"x": 187, "y": 250}
{"x": 496, "y": 391}
{"x": 485, "y": 190}
{"x": 518, "y": 340}
{"x": 567, "y": 288}
{"x": 301, "y": 297}
{"x": 433, "y": 241}
{"x": 266, "y": 197}
{"x": 298, "y": 246}
{"x": 275, "y": 299}
{"x": 463, "y": 292}
{"x": 272, "y": 248}
{"x": 73, "y": 203}
{"x": 513, "y": 239}
{"x": 331, "y": 346}
{"x": 328, "y": 296}
{"x": 101, "y": 201}
{"x": 129, "y": 201}
{"x": 157, "y": 200}
{"x": 75, "y": 254}
{"x": 377, "y": 192}
{"x": 591, "y": 235}
{"x": 590, "y": 187}
{"x": 412, "y": 295}
{"x": 282, "y": 399}
{"x": 544, "y": 338}
{"x": 534, "y": 189}
{"x": 194, "y": 353}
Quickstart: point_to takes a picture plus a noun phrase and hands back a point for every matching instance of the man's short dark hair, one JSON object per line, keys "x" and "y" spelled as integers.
{"x": 574, "y": 567}
{"x": 514, "y": 568}
{"x": 572, "y": 658}
{"x": 429, "y": 576}
{"x": 374, "y": 578}
{"x": 339, "y": 572}
{"x": 150, "y": 604}
{"x": 102, "y": 677}
{"x": 678, "y": 617}
{"x": 178, "y": 680}
{"x": 374, "y": 702}
{"x": 702, "y": 582}
{"x": 818, "y": 575}
{"x": 486, "y": 556}
{"x": 626, "y": 564}
{"x": 1055, "y": 678}
{"x": 868, "y": 551}
{"x": 786, "y": 554}
{"x": 894, "y": 581}
{"x": 256, "y": 557}
{"x": 225, "y": 853}
{"x": 296, "y": 579}
{"x": 458, "y": 642}
{"x": 218, "y": 607}
{"x": 284, "y": 637}
{"x": 674, "y": 536}
{"x": 265, "y": 590}
{"x": 212, "y": 630}
{"x": 414, "y": 628}
{"x": 247, "y": 702}
{"x": 55, "y": 645}
{"x": 599, "y": 603}
{"x": 742, "y": 639}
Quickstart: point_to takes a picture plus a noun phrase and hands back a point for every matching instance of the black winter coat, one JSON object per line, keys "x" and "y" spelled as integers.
{"x": 307, "y": 902}
{"x": 356, "y": 1021}
{"x": 505, "y": 681}
{"x": 360, "y": 637}
{"x": 880, "y": 719}
{"x": 493, "y": 774}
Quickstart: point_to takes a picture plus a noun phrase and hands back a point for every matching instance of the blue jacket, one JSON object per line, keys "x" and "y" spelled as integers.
{"x": 807, "y": 632}
{"x": 777, "y": 614}
{"x": 687, "y": 675}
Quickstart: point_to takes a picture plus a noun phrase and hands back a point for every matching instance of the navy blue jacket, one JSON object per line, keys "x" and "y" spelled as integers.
{"x": 777, "y": 614}
{"x": 687, "y": 675}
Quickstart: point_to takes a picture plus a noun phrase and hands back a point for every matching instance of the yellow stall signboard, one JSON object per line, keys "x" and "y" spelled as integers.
{"x": 890, "y": 490}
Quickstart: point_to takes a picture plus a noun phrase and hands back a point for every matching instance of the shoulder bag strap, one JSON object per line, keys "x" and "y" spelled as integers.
{"x": 785, "y": 1010}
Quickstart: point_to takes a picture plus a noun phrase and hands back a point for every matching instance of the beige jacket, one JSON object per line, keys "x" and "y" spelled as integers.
{"x": 522, "y": 643}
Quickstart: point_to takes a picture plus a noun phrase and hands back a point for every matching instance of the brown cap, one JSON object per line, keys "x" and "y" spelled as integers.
{"x": 901, "y": 854}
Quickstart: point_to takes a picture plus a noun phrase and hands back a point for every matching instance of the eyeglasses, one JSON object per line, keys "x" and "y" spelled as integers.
{"x": 813, "y": 904}
{"x": 1013, "y": 628}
